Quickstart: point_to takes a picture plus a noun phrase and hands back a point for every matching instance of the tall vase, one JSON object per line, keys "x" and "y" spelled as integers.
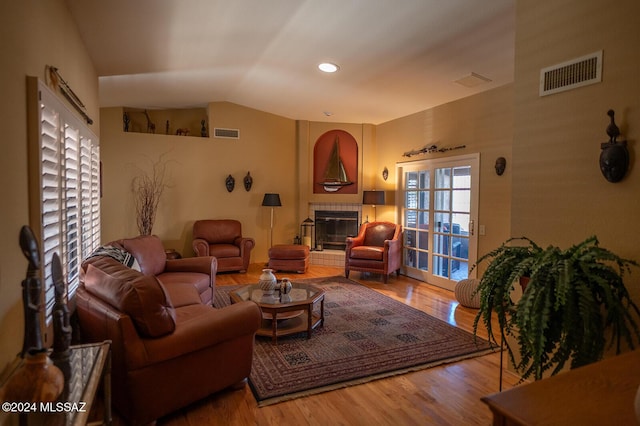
{"x": 37, "y": 380}
{"x": 267, "y": 283}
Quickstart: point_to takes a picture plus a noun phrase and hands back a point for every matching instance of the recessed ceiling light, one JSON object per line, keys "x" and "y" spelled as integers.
{"x": 328, "y": 67}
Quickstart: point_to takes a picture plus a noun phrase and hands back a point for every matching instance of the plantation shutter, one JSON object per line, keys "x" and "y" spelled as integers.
{"x": 51, "y": 197}
{"x": 64, "y": 199}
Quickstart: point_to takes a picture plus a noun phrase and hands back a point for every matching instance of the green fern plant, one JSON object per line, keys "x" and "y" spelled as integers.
{"x": 573, "y": 298}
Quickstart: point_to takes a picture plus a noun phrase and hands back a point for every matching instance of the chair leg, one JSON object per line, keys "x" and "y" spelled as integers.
{"x": 346, "y": 273}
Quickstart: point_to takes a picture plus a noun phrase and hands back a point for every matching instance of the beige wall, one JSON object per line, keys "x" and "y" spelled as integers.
{"x": 559, "y": 195}
{"x": 196, "y": 172}
{"x": 484, "y": 123}
{"x": 34, "y": 34}
{"x": 278, "y": 152}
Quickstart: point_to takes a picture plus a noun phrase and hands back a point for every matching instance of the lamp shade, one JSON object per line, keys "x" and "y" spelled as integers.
{"x": 271, "y": 200}
{"x": 374, "y": 198}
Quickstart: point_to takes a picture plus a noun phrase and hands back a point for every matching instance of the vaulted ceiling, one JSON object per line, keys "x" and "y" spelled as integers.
{"x": 395, "y": 57}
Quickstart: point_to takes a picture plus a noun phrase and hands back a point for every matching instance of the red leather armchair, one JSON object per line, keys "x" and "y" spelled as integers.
{"x": 377, "y": 248}
{"x": 223, "y": 239}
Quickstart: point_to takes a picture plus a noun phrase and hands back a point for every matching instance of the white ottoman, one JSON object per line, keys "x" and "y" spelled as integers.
{"x": 464, "y": 290}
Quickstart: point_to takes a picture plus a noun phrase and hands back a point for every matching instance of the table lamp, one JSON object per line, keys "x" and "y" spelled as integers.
{"x": 373, "y": 198}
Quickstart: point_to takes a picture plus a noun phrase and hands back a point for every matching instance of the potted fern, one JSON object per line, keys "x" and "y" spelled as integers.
{"x": 572, "y": 299}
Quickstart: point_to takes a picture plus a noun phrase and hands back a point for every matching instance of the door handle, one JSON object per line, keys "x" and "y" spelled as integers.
{"x": 471, "y": 228}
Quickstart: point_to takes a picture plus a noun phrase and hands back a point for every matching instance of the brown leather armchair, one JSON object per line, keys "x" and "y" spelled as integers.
{"x": 377, "y": 248}
{"x": 223, "y": 239}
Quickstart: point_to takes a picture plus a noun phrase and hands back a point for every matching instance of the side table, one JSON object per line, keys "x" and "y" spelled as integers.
{"x": 88, "y": 365}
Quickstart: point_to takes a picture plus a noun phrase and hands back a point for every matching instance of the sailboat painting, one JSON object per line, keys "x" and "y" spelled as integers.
{"x": 335, "y": 163}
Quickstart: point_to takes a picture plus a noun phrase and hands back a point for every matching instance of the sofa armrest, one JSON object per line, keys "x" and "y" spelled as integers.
{"x": 245, "y": 244}
{"x": 201, "y": 326}
{"x": 205, "y": 265}
{"x": 200, "y": 246}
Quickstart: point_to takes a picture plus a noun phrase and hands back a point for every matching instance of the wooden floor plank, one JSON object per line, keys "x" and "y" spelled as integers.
{"x": 443, "y": 395}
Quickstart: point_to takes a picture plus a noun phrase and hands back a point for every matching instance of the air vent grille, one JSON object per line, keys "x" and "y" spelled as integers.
{"x": 226, "y": 133}
{"x": 571, "y": 74}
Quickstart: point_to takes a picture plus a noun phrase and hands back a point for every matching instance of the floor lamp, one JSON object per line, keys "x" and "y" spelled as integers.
{"x": 271, "y": 200}
{"x": 373, "y": 198}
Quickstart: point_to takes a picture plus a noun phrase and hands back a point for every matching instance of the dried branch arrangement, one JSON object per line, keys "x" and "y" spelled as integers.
{"x": 147, "y": 190}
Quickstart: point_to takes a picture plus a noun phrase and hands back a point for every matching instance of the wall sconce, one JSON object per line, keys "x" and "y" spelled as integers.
{"x": 271, "y": 200}
{"x": 385, "y": 173}
{"x": 373, "y": 198}
{"x": 614, "y": 158}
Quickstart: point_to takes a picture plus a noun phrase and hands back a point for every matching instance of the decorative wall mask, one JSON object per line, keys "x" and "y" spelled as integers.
{"x": 501, "y": 164}
{"x": 230, "y": 183}
{"x": 614, "y": 158}
{"x": 248, "y": 181}
{"x": 385, "y": 173}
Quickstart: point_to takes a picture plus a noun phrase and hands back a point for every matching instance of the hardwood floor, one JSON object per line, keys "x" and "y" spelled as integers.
{"x": 444, "y": 395}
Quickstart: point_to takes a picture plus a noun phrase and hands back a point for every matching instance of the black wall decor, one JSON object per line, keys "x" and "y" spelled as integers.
{"x": 614, "y": 158}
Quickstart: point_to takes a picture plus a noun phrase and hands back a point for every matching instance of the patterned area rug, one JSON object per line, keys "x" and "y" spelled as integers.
{"x": 366, "y": 336}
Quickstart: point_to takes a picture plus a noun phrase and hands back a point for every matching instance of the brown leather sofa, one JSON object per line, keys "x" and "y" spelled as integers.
{"x": 170, "y": 347}
{"x": 377, "y": 248}
{"x": 223, "y": 239}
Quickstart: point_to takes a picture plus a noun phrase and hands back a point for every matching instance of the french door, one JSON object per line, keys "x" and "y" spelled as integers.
{"x": 439, "y": 213}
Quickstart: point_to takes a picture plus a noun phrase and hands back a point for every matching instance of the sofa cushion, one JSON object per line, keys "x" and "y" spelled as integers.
{"x": 148, "y": 251}
{"x": 142, "y": 297}
{"x": 367, "y": 252}
{"x": 224, "y": 250}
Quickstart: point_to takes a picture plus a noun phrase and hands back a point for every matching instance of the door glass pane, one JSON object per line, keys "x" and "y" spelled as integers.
{"x": 443, "y": 200}
{"x": 443, "y": 178}
{"x": 461, "y": 200}
{"x": 460, "y": 224}
{"x": 424, "y": 200}
{"x": 441, "y": 266}
{"x": 423, "y": 220}
{"x": 462, "y": 177}
{"x": 410, "y": 219}
{"x": 459, "y": 269}
{"x": 423, "y": 262}
{"x": 441, "y": 244}
{"x": 424, "y": 179}
{"x": 410, "y": 258}
{"x": 460, "y": 248}
{"x": 424, "y": 240}
{"x": 442, "y": 221}
{"x": 411, "y": 200}
{"x": 411, "y": 180}
{"x": 410, "y": 238}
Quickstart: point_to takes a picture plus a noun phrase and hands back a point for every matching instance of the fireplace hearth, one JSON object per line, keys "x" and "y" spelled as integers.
{"x": 333, "y": 227}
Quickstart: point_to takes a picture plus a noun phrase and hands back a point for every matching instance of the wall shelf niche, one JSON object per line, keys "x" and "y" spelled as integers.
{"x": 181, "y": 122}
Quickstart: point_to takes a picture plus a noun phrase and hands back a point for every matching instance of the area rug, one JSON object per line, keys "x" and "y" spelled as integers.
{"x": 366, "y": 336}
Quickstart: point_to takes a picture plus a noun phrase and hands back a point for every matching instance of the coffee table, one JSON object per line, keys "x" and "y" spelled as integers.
{"x": 282, "y": 315}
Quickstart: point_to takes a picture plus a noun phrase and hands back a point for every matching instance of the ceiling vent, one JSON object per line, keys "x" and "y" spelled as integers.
{"x": 226, "y": 133}
{"x": 571, "y": 74}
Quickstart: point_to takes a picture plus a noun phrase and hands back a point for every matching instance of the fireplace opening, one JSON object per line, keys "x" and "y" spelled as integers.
{"x": 333, "y": 228}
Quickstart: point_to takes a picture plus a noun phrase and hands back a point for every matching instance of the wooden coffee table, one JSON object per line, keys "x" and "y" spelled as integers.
{"x": 282, "y": 315}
